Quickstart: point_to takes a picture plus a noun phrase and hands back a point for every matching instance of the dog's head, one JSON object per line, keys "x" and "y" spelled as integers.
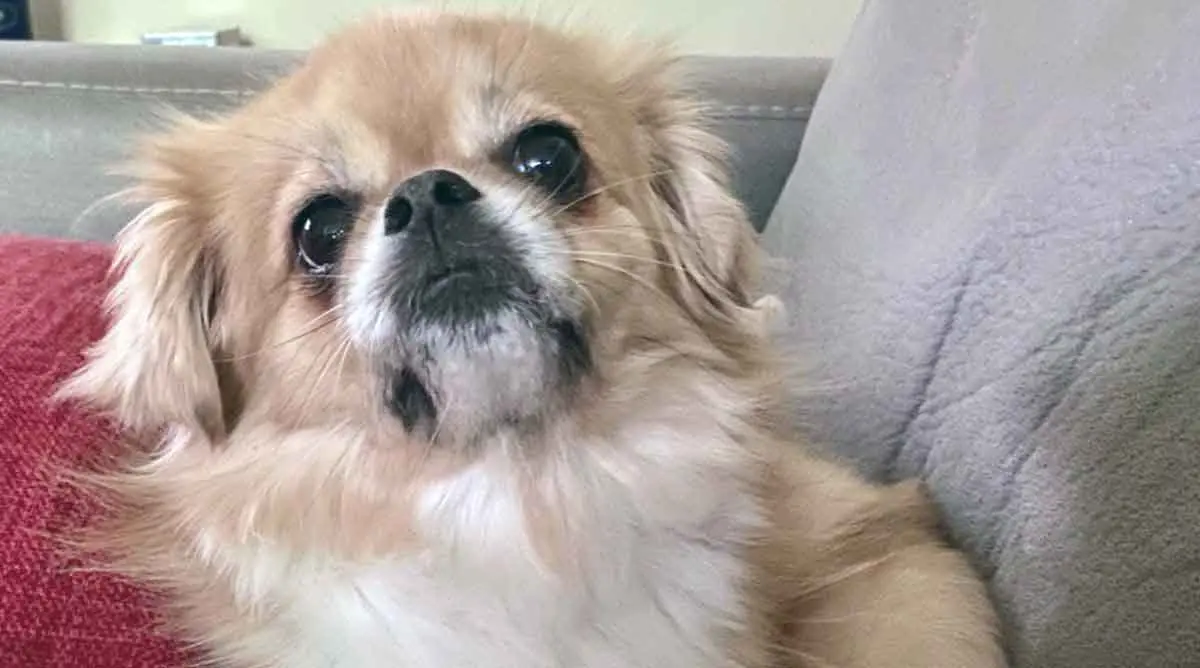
{"x": 438, "y": 228}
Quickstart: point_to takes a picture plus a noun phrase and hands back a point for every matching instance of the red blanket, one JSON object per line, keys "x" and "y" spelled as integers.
{"x": 53, "y": 616}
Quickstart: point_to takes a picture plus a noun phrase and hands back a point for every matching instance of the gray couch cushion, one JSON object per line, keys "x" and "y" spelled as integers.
{"x": 995, "y": 230}
{"x": 69, "y": 114}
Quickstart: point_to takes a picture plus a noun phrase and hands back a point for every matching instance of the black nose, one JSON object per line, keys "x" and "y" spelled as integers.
{"x": 427, "y": 196}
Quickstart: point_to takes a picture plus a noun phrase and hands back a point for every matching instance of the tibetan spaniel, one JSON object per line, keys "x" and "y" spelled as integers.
{"x": 444, "y": 353}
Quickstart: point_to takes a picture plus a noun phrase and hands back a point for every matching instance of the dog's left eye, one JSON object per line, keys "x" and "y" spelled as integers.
{"x": 549, "y": 155}
{"x": 320, "y": 231}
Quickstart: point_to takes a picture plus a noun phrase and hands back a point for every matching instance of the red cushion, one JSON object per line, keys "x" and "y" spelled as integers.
{"x": 50, "y": 614}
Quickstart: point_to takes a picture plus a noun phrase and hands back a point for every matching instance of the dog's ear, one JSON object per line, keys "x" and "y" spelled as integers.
{"x": 155, "y": 365}
{"x": 714, "y": 245}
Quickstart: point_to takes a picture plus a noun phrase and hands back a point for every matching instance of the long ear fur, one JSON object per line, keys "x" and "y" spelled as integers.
{"x": 713, "y": 243}
{"x": 154, "y": 367}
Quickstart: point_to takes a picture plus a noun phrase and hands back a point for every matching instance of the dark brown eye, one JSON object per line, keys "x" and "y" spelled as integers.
{"x": 320, "y": 231}
{"x": 549, "y": 155}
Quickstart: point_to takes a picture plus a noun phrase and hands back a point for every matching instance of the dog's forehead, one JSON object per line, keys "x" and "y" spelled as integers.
{"x": 399, "y": 95}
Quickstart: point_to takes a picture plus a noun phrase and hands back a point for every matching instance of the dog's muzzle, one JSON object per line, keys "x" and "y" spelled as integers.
{"x": 475, "y": 337}
{"x": 455, "y": 266}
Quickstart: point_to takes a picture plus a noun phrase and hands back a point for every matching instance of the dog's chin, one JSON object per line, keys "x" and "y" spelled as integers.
{"x": 472, "y": 357}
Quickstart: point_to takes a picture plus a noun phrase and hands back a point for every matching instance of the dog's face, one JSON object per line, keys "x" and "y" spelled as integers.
{"x": 438, "y": 229}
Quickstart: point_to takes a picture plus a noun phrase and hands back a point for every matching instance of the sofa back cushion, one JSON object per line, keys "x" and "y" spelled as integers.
{"x": 72, "y": 114}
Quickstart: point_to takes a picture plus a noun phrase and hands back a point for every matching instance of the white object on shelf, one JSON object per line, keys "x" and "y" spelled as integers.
{"x": 226, "y": 37}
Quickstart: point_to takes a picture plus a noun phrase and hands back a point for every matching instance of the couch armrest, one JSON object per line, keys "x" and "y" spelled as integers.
{"x": 69, "y": 112}
{"x": 761, "y": 106}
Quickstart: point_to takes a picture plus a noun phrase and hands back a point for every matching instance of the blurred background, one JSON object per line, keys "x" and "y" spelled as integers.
{"x": 725, "y": 27}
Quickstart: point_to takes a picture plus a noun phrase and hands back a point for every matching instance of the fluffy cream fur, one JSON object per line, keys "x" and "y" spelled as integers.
{"x": 660, "y": 519}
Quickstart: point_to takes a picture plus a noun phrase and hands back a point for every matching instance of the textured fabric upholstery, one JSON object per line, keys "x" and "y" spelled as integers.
{"x": 990, "y": 248}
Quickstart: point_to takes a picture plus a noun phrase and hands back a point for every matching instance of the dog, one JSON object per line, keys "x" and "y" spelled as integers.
{"x": 445, "y": 351}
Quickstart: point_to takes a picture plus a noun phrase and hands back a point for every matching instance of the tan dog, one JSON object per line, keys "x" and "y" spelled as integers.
{"x": 447, "y": 354}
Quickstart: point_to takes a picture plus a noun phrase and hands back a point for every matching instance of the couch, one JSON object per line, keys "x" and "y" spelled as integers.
{"x": 988, "y": 246}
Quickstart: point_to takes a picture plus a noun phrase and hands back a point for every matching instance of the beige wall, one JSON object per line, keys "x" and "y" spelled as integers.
{"x": 759, "y": 27}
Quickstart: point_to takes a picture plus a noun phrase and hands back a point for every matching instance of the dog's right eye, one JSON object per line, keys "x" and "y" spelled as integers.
{"x": 320, "y": 231}
{"x": 549, "y": 155}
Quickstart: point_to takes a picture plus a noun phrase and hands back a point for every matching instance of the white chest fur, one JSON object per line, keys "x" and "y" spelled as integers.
{"x": 656, "y": 582}
{"x": 415, "y": 615}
